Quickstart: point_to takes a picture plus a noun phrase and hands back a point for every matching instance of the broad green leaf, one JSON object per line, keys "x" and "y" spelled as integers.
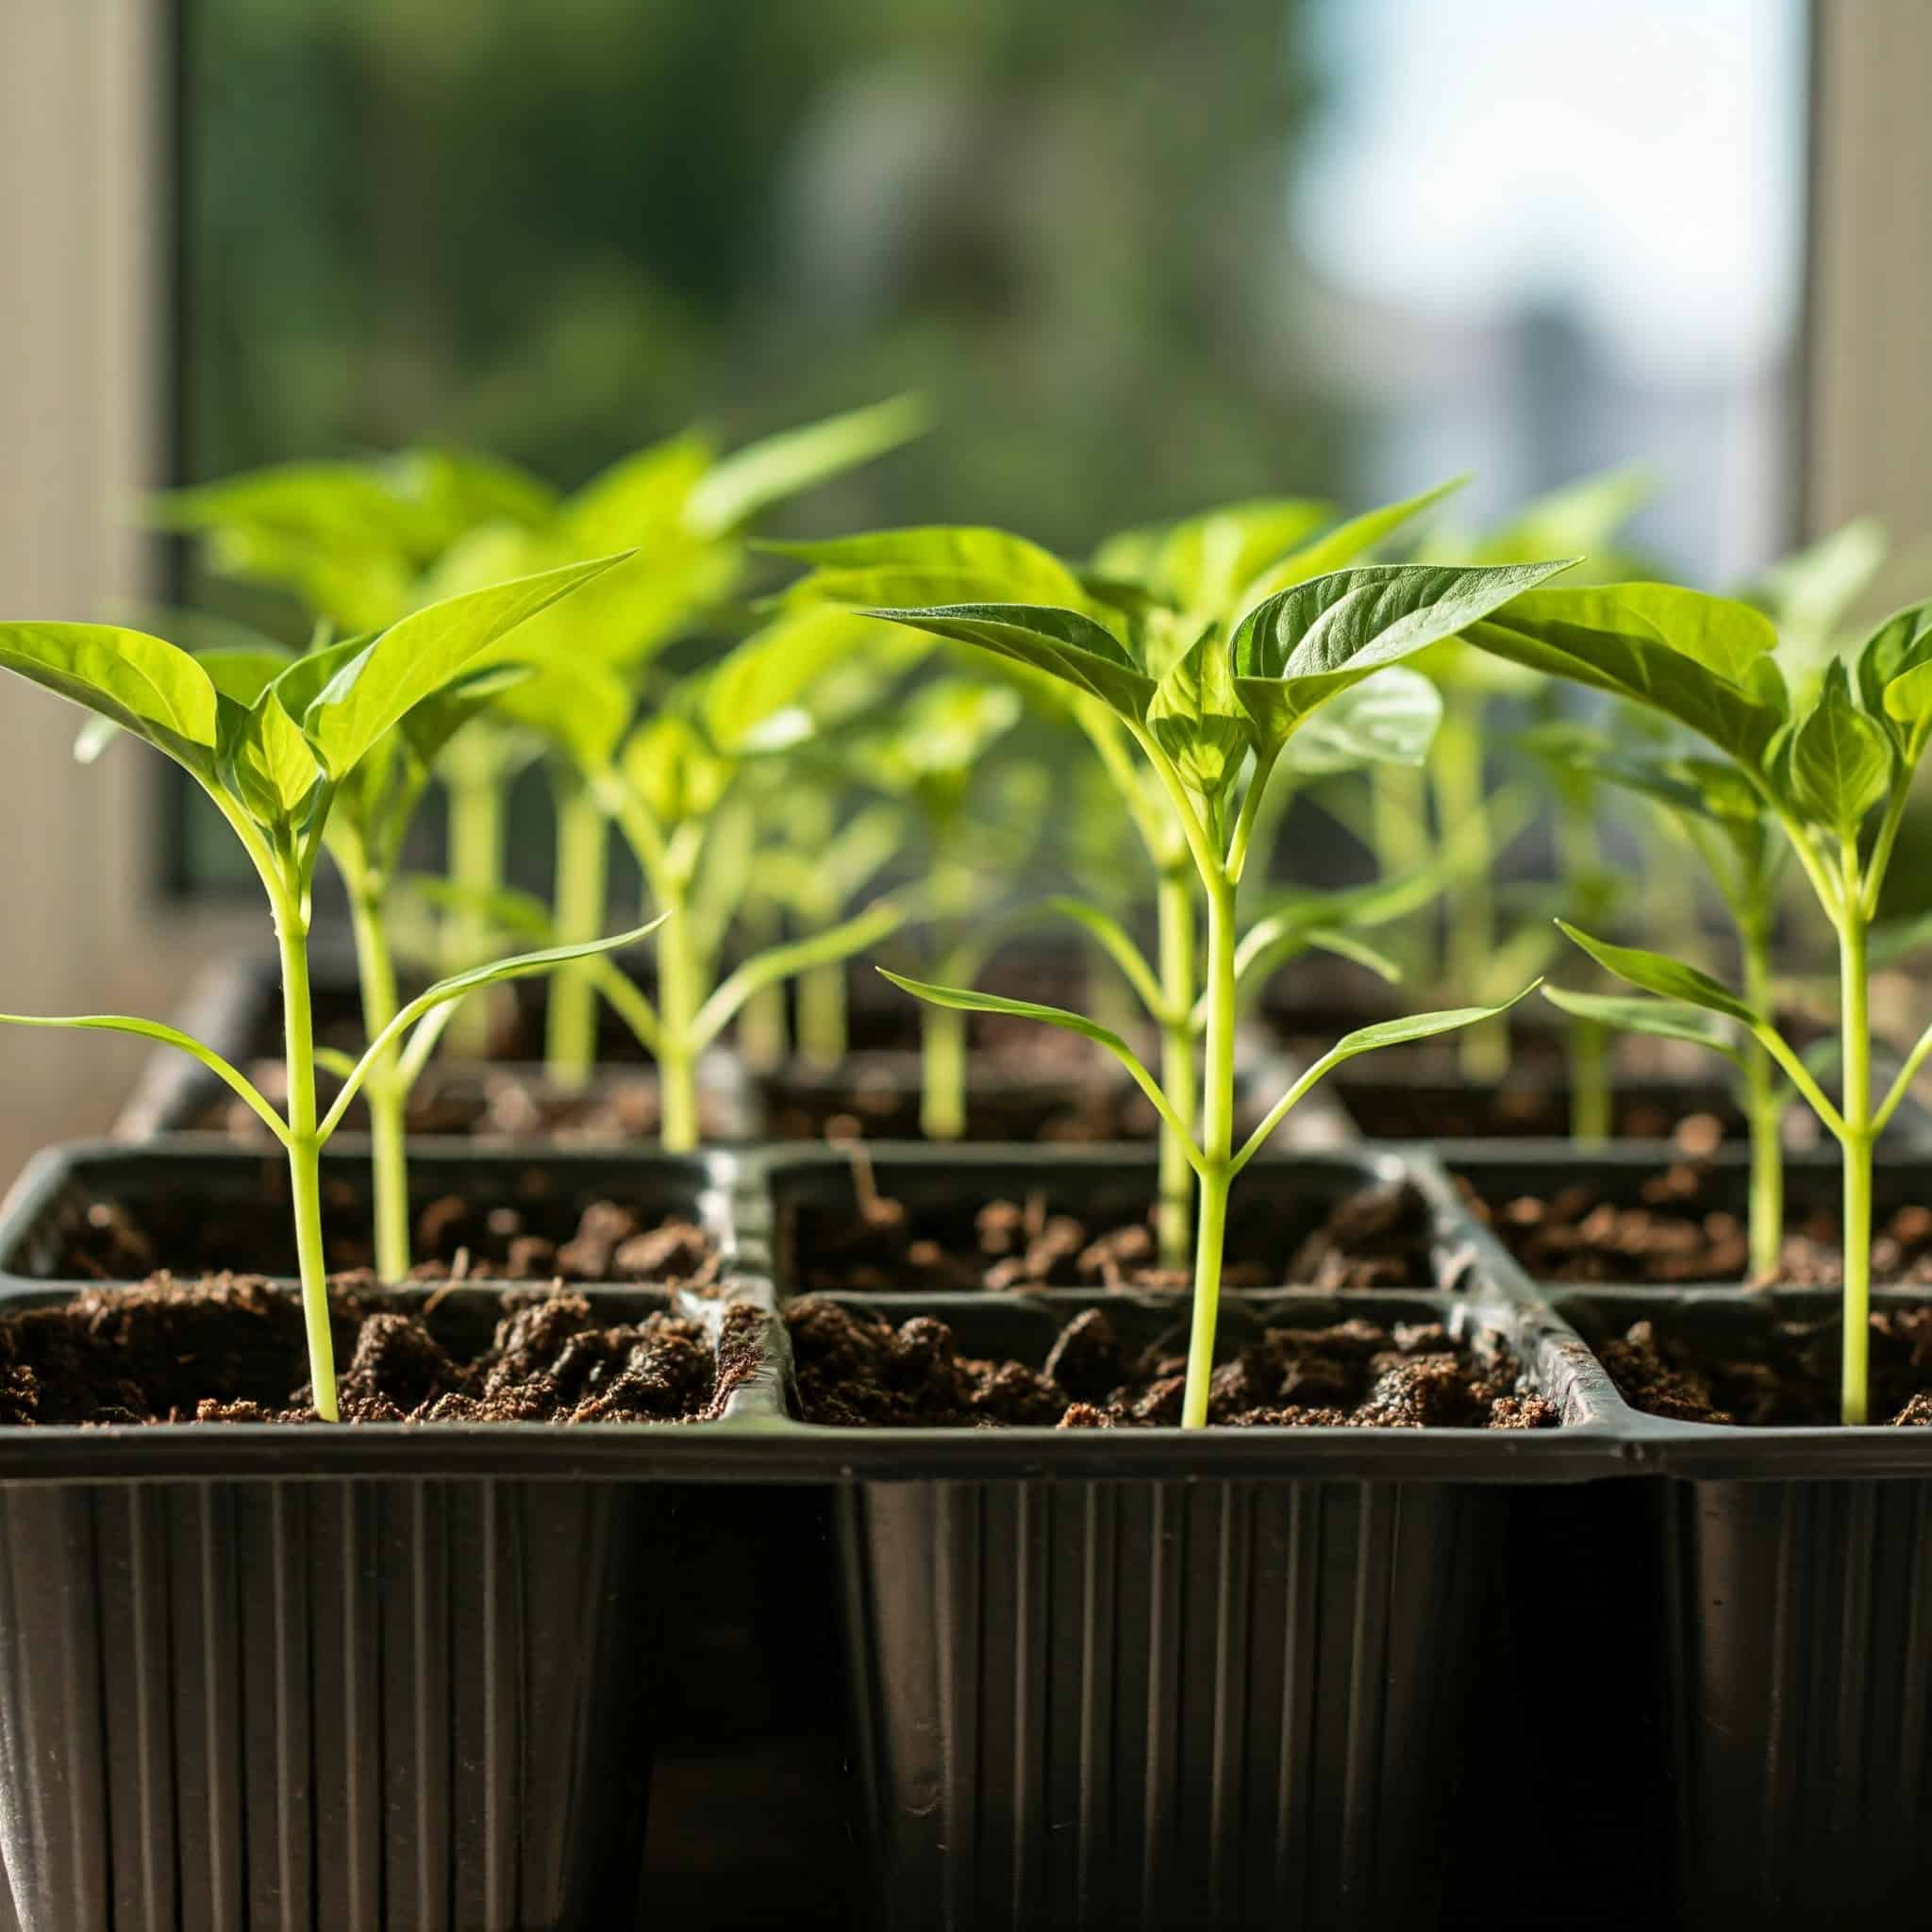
{"x": 1198, "y": 721}
{"x": 1839, "y": 762}
{"x": 1063, "y": 643}
{"x": 1417, "y": 1026}
{"x": 762, "y": 473}
{"x": 1310, "y": 642}
{"x": 1895, "y": 678}
{"x": 268, "y": 763}
{"x": 1669, "y": 978}
{"x": 969, "y": 564}
{"x": 422, "y": 651}
{"x": 331, "y": 503}
{"x": 1702, "y": 660}
{"x": 304, "y": 679}
{"x": 462, "y": 489}
{"x": 1204, "y": 561}
{"x": 148, "y": 688}
{"x": 239, "y": 672}
{"x": 1350, "y": 543}
{"x": 167, "y": 1035}
{"x": 641, "y": 500}
{"x": 1389, "y": 718}
{"x": 1662, "y": 1019}
{"x": 428, "y": 726}
{"x": 756, "y": 698}
{"x": 582, "y": 709}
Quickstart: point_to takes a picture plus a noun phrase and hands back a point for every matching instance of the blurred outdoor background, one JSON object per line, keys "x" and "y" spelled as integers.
{"x": 1142, "y": 255}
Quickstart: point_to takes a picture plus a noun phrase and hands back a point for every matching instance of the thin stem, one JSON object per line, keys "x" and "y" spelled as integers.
{"x": 476, "y": 863}
{"x": 382, "y": 1088}
{"x": 304, "y": 1150}
{"x": 1764, "y": 1106}
{"x": 1174, "y": 905}
{"x": 1217, "y": 1146}
{"x": 1856, "y": 1141}
{"x": 1399, "y": 827}
{"x": 679, "y": 995}
{"x": 583, "y": 861}
{"x": 1589, "y": 1082}
{"x": 822, "y": 1028}
{"x": 1250, "y": 811}
{"x": 1456, "y": 771}
{"x": 942, "y": 1074}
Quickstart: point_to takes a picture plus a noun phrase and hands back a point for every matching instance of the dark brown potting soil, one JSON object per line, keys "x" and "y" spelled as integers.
{"x": 457, "y": 1238}
{"x": 231, "y": 1349}
{"x": 1378, "y": 1236}
{"x": 855, "y": 1368}
{"x": 1789, "y": 1375}
{"x": 1678, "y": 1231}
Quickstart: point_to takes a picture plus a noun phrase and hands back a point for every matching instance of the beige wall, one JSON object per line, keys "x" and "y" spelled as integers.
{"x": 80, "y": 194}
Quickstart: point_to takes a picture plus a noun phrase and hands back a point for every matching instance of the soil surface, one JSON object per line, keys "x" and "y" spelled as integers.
{"x": 854, "y": 1367}
{"x": 1678, "y": 1231}
{"x": 1788, "y": 1373}
{"x": 231, "y": 1349}
{"x": 1379, "y": 1236}
{"x": 495, "y": 1104}
{"x": 458, "y": 1238}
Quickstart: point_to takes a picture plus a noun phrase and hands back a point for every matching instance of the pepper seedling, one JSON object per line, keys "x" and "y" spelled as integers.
{"x": 668, "y": 783}
{"x": 1834, "y": 772}
{"x": 273, "y": 747}
{"x": 1212, "y": 729}
{"x": 1162, "y": 588}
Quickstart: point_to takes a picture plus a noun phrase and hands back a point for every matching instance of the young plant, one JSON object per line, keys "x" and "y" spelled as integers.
{"x": 1164, "y": 589}
{"x": 1725, "y": 820}
{"x": 1212, "y": 729}
{"x": 670, "y": 784}
{"x": 275, "y": 747}
{"x": 1834, "y": 772}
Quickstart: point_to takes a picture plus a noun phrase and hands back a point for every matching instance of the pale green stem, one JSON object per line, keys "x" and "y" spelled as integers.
{"x": 942, "y": 1074}
{"x": 1589, "y": 1082}
{"x": 1764, "y": 1106}
{"x": 679, "y": 996}
{"x": 1856, "y": 1144}
{"x": 583, "y": 859}
{"x": 822, "y": 1017}
{"x": 1461, "y": 812}
{"x": 763, "y": 1027}
{"x": 304, "y": 1150}
{"x": 1217, "y": 1146}
{"x": 1174, "y": 905}
{"x": 382, "y": 1089}
{"x": 476, "y": 863}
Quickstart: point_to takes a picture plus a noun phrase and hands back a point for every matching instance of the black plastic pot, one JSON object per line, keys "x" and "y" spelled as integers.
{"x": 1795, "y": 1571}
{"x": 260, "y": 1676}
{"x": 1228, "y": 1679}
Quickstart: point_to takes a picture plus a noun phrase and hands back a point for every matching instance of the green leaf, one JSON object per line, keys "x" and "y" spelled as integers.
{"x": 1700, "y": 659}
{"x": 1389, "y": 718}
{"x": 267, "y": 762}
{"x": 1114, "y": 941}
{"x": 1357, "y": 951}
{"x": 167, "y": 1035}
{"x": 762, "y": 473}
{"x": 1662, "y": 1019}
{"x": 445, "y": 991}
{"x": 429, "y": 726}
{"x": 1350, "y": 543}
{"x": 1895, "y": 678}
{"x": 1304, "y": 646}
{"x": 1838, "y": 763}
{"x": 964, "y": 999}
{"x": 754, "y": 699}
{"x": 1065, "y": 644}
{"x": 1582, "y": 517}
{"x": 933, "y": 565}
{"x": 1202, "y": 562}
{"x": 1198, "y": 721}
{"x": 641, "y": 501}
{"x": 147, "y": 687}
{"x": 239, "y": 672}
{"x": 420, "y": 653}
{"x": 668, "y": 763}
{"x": 1669, "y": 978}
{"x": 778, "y": 963}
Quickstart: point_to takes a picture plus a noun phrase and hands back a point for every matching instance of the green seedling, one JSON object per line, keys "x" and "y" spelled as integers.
{"x": 1164, "y": 589}
{"x": 1212, "y": 729}
{"x": 275, "y": 747}
{"x": 672, "y": 786}
{"x": 1834, "y": 771}
{"x": 1725, "y": 821}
